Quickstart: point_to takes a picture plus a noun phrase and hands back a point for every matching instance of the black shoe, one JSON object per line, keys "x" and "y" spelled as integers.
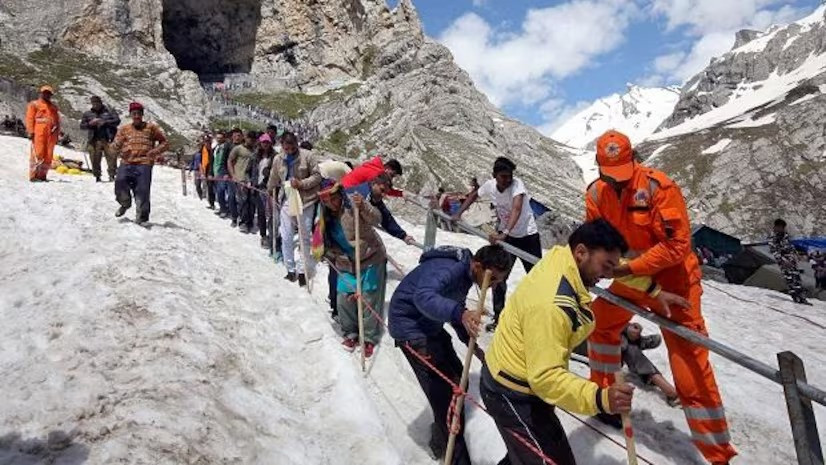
{"x": 97, "y": 179}
{"x": 290, "y": 276}
{"x": 611, "y": 419}
{"x": 111, "y": 179}
{"x": 233, "y": 224}
{"x": 121, "y": 211}
{"x": 211, "y": 207}
{"x": 244, "y": 229}
{"x": 302, "y": 279}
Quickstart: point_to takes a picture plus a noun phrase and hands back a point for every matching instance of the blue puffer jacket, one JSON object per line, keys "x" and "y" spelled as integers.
{"x": 431, "y": 295}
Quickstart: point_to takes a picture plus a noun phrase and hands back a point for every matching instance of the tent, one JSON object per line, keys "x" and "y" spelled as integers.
{"x": 717, "y": 241}
{"x": 746, "y": 263}
{"x": 810, "y": 243}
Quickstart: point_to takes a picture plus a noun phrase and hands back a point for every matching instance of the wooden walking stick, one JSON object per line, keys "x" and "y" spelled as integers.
{"x": 183, "y": 180}
{"x": 627, "y": 429}
{"x": 471, "y": 348}
{"x": 359, "y": 302}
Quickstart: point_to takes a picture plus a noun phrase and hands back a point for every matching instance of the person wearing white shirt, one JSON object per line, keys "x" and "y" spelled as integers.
{"x": 516, "y": 225}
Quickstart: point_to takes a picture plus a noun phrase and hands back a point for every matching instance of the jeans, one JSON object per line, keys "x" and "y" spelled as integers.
{"x": 221, "y": 194}
{"x": 135, "y": 179}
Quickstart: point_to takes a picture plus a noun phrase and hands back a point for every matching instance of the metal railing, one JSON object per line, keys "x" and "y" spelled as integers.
{"x": 791, "y": 374}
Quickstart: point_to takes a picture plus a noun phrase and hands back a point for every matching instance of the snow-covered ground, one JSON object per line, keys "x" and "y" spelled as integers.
{"x": 180, "y": 343}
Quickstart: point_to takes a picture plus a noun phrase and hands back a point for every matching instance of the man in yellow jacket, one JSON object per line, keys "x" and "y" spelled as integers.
{"x": 526, "y": 373}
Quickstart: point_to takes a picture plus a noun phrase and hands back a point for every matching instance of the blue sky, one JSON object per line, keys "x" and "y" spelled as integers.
{"x": 542, "y": 60}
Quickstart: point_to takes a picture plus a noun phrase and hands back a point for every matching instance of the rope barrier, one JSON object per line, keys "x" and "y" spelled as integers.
{"x": 457, "y": 390}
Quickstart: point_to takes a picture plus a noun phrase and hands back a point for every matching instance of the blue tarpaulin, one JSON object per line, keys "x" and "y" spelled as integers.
{"x": 810, "y": 243}
{"x": 538, "y": 208}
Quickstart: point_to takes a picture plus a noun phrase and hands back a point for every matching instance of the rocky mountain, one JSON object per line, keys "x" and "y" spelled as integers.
{"x": 637, "y": 113}
{"x": 746, "y": 140}
{"x": 364, "y": 73}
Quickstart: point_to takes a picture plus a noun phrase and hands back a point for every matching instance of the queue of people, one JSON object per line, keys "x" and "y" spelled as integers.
{"x": 636, "y": 231}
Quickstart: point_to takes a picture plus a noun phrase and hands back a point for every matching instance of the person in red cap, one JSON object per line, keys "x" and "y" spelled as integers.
{"x": 648, "y": 208}
{"x": 140, "y": 144}
{"x": 43, "y": 128}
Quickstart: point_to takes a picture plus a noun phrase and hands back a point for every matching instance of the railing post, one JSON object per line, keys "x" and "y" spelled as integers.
{"x": 801, "y": 415}
{"x": 431, "y": 227}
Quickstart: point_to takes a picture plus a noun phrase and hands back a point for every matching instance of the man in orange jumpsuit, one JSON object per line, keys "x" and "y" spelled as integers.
{"x": 43, "y": 128}
{"x": 649, "y": 210}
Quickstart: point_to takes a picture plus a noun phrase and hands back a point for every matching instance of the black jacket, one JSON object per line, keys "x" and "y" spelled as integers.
{"x": 105, "y": 131}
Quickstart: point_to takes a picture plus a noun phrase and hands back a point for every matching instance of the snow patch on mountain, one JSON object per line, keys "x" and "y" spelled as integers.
{"x": 716, "y": 148}
{"x": 749, "y": 97}
{"x": 637, "y": 113}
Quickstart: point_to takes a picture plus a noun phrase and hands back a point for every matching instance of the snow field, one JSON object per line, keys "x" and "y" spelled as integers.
{"x": 181, "y": 343}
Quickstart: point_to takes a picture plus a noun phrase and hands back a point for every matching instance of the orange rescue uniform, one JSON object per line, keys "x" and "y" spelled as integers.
{"x": 42, "y": 120}
{"x": 650, "y": 213}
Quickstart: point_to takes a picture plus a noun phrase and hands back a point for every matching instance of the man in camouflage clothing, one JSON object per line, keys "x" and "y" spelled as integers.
{"x": 786, "y": 256}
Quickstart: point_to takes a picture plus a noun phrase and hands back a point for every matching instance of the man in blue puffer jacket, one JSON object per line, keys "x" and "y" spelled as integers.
{"x": 431, "y": 295}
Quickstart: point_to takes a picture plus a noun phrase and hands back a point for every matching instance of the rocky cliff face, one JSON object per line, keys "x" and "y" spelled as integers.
{"x": 389, "y": 89}
{"x": 746, "y": 140}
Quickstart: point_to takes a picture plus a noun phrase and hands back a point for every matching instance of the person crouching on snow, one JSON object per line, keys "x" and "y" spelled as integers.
{"x": 338, "y": 224}
{"x": 633, "y": 343}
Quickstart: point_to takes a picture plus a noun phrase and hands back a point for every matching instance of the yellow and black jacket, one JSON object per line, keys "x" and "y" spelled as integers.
{"x": 543, "y": 321}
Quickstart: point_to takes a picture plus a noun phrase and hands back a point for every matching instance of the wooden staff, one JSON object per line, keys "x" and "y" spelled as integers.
{"x": 471, "y": 348}
{"x": 297, "y": 204}
{"x": 183, "y": 180}
{"x": 627, "y": 429}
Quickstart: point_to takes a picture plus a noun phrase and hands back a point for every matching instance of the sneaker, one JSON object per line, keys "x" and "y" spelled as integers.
{"x": 141, "y": 220}
{"x": 233, "y": 224}
{"x": 491, "y": 327}
{"x": 290, "y": 276}
{"x": 369, "y": 348}
{"x": 211, "y": 207}
{"x": 350, "y": 344}
{"x": 223, "y": 215}
{"x": 611, "y": 419}
{"x": 302, "y": 279}
{"x": 121, "y": 211}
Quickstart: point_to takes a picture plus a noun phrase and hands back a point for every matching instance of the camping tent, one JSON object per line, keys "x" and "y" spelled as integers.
{"x": 746, "y": 263}
{"x": 717, "y": 241}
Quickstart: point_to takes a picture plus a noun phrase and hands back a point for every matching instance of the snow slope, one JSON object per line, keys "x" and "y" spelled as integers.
{"x": 180, "y": 343}
{"x": 637, "y": 113}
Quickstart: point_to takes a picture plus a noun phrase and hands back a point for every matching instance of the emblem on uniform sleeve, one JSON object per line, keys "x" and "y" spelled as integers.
{"x": 641, "y": 198}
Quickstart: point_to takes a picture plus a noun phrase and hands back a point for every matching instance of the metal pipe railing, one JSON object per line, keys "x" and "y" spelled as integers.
{"x": 813, "y": 393}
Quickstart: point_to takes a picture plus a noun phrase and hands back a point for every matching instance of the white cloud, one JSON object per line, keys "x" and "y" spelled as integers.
{"x": 711, "y": 26}
{"x": 521, "y": 67}
{"x": 555, "y": 113}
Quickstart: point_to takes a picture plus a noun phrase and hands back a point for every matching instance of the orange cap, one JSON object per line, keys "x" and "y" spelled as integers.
{"x": 46, "y": 88}
{"x": 615, "y": 156}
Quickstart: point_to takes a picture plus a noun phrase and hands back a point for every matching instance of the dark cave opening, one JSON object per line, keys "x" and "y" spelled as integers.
{"x": 211, "y": 37}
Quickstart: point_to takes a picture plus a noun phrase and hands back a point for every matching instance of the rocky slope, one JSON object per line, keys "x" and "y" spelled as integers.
{"x": 746, "y": 140}
{"x": 637, "y": 113}
{"x": 364, "y": 73}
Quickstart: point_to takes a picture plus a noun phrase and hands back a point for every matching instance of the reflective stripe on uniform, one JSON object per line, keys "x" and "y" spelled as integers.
{"x": 604, "y": 367}
{"x": 704, "y": 413}
{"x": 605, "y": 349}
{"x": 714, "y": 439}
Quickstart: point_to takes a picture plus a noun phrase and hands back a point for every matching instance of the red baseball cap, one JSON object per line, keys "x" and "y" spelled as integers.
{"x": 135, "y": 106}
{"x": 615, "y": 156}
